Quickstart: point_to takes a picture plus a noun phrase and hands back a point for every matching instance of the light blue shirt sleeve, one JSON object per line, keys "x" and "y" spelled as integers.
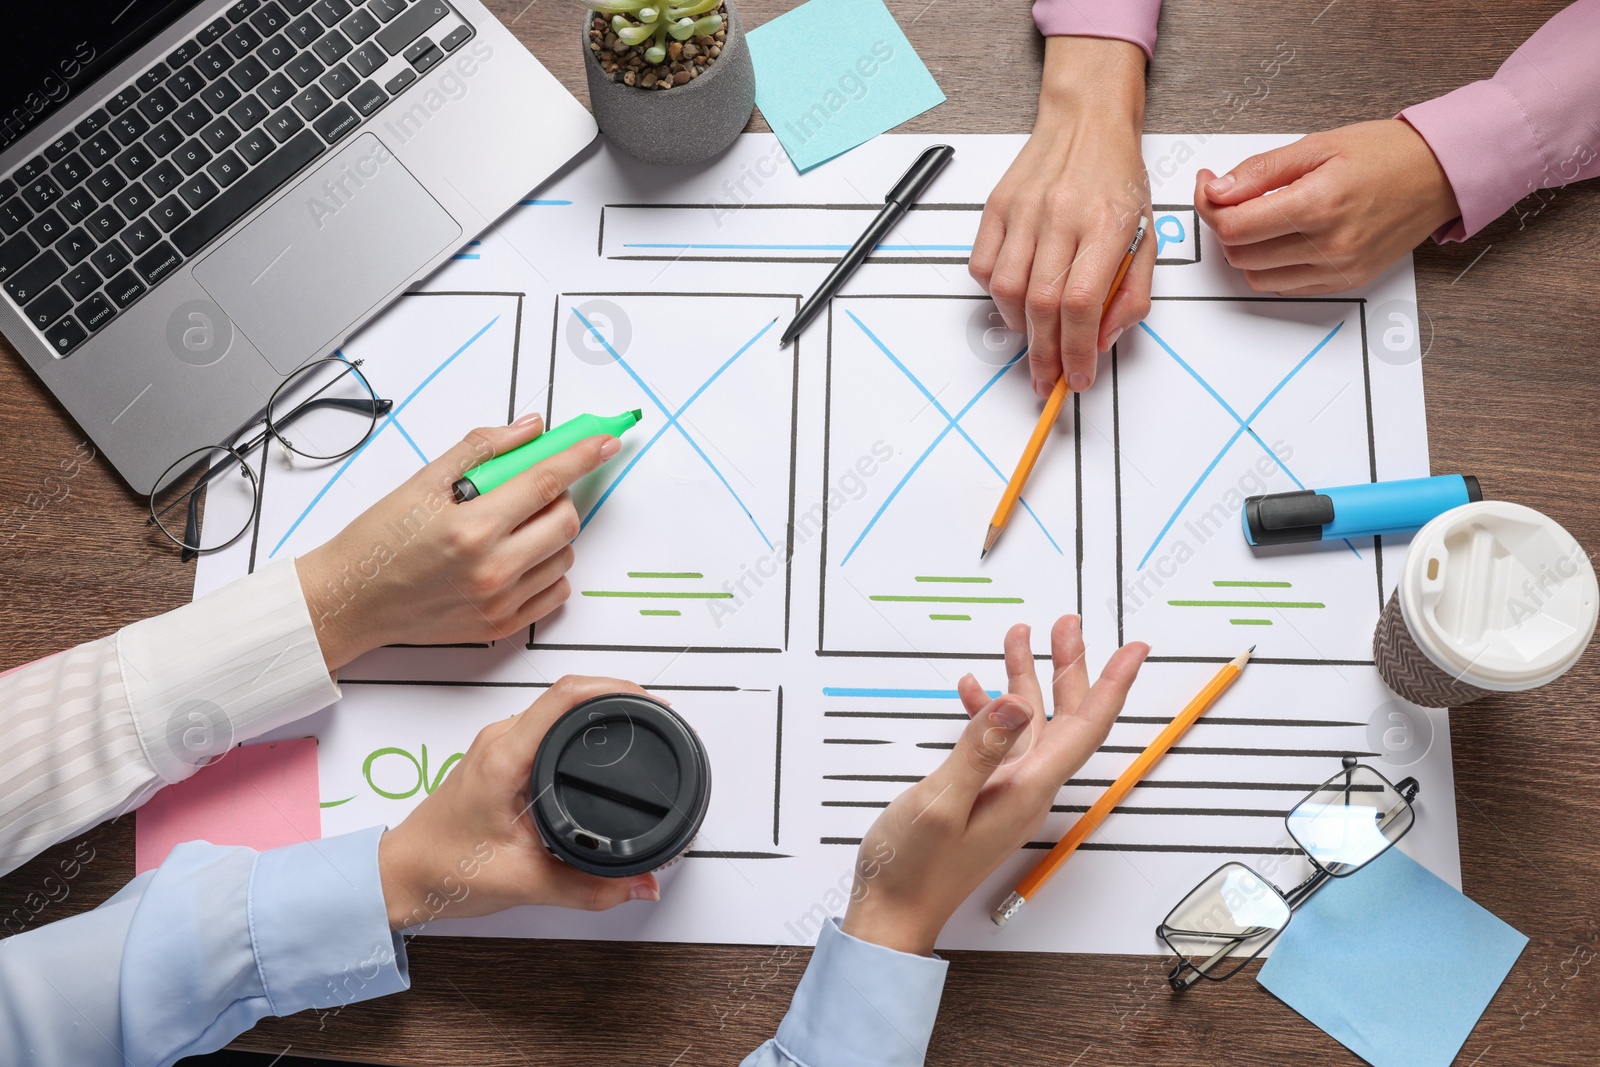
{"x": 186, "y": 957}
{"x": 857, "y": 1005}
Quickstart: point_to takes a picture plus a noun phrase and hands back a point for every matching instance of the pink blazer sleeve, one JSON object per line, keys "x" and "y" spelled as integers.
{"x": 1534, "y": 125}
{"x": 1133, "y": 21}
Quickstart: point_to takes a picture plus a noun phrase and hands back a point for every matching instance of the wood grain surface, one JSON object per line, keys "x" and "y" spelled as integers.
{"x": 1513, "y": 395}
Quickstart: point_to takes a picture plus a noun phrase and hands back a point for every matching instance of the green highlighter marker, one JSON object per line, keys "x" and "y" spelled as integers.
{"x": 485, "y": 476}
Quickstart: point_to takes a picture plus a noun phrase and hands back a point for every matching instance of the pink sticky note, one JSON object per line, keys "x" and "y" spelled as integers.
{"x": 263, "y": 795}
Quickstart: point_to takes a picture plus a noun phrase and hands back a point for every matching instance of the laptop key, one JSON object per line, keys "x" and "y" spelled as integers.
{"x": 29, "y": 281}
{"x": 304, "y": 31}
{"x": 77, "y": 205}
{"x": 220, "y": 95}
{"x": 110, "y": 258}
{"x": 197, "y": 191}
{"x": 248, "y": 73}
{"x": 192, "y": 156}
{"x": 105, "y": 184}
{"x": 240, "y": 11}
{"x": 330, "y": 11}
{"x": 417, "y": 20}
{"x": 80, "y": 281}
{"x": 104, "y": 224}
{"x": 163, "y": 178}
{"x": 70, "y": 171}
{"x": 123, "y": 100}
{"x": 184, "y": 83}
{"x": 65, "y": 336}
{"x": 360, "y": 26}
{"x": 384, "y": 10}
{"x": 283, "y": 125}
{"x": 95, "y": 312}
{"x": 7, "y": 188}
{"x": 100, "y": 149}
{"x": 427, "y": 58}
{"x": 367, "y": 97}
{"x": 75, "y": 246}
{"x": 140, "y": 235}
{"x": 57, "y": 149}
{"x": 168, "y": 215}
{"x": 255, "y": 146}
{"x": 368, "y": 58}
{"x": 14, "y": 252}
{"x": 163, "y": 138}
{"x": 41, "y": 193}
{"x": 213, "y": 62}
{"x": 270, "y": 19}
{"x": 183, "y": 54}
{"x": 456, "y": 38}
{"x": 92, "y": 122}
{"x": 332, "y": 48}
{"x": 32, "y": 169}
{"x": 276, "y": 91}
{"x": 133, "y": 201}
{"x": 311, "y": 103}
{"x": 220, "y": 134}
{"x": 339, "y": 80}
{"x": 128, "y": 127}
{"x": 294, "y": 7}
{"x": 212, "y": 33}
{"x": 247, "y": 112}
{"x": 47, "y": 307}
{"x": 246, "y": 193}
{"x": 135, "y": 161}
{"x": 240, "y": 41}
{"x": 125, "y": 288}
{"x": 14, "y": 215}
{"x": 303, "y": 68}
{"x": 275, "y": 51}
{"x": 339, "y": 120}
{"x": 226, "y": 169}
{"x": 400, "y": 81}
{"x": 47, "y": 227}
{"x": 158, "y": 105}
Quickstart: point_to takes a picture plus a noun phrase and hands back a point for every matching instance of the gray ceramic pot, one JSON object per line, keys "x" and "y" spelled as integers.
{"x": 684, "y": 124}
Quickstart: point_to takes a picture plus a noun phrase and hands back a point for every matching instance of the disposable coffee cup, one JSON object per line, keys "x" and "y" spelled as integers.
{"x": 1494, "y": 598}
{"x": 620, "y": 786}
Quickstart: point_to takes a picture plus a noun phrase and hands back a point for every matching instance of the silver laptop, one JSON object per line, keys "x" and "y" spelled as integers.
{"x": 198, "y": 198}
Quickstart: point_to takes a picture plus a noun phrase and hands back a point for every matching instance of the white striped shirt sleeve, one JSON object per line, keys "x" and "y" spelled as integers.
{"x": 93, "y": 732}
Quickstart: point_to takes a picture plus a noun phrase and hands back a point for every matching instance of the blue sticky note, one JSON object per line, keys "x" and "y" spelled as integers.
{"x": 833, "y": 73}
{"x": 1393, "y": 962}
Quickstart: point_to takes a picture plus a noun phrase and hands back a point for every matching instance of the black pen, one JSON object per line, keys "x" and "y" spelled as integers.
{"x": 907, "y": 191}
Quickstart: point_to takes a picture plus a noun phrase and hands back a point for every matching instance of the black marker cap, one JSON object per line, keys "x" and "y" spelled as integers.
{"x": 620, "y": 785}
{"x": 1287, "y": 518}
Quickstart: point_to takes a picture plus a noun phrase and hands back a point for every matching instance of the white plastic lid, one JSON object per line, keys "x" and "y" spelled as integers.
{"x": 1499, "y": 595}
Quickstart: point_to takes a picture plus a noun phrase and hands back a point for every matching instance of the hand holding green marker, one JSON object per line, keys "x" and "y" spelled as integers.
{"x": 485, "y": 476}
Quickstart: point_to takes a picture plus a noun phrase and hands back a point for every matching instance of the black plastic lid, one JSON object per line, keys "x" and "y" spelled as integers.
{"x": 1287, "y": 518}
{"x": 620, "y": 785}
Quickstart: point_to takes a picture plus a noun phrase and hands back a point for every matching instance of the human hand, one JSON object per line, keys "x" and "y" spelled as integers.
{"x": 1348, "y": 203}
{"x": 1056, "y": 227}
{"x": 418, "y": 568}
{"x": 940, "y": 839}
{"x": 471, "y": 847}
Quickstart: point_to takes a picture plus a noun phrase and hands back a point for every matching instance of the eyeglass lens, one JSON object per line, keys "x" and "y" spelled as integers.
{"x": 1349, "y": 820}
{"x": 1226, "y": 920}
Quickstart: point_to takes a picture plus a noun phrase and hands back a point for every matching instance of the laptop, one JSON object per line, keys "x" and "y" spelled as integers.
{"x": 196, "y": 199}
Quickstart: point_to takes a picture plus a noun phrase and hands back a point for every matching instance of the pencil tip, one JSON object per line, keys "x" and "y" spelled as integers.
{"x": 1250, "y": 651}
{"x": 989, "y": 539}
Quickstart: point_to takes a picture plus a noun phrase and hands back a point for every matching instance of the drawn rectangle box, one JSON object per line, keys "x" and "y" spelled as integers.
{"x": 922, "y": 434}
{"x": 1187, "y": 582}
{"x": 1176, "y": 234}
{"x": 685, "y": 540}
{"x": 782, "y": 233}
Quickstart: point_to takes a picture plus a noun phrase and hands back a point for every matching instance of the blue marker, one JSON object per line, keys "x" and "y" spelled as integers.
{"x": 1368, "y": 510}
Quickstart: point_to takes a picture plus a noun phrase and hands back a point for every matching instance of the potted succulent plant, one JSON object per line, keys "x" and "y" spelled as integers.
{"x": 670, "y": 81}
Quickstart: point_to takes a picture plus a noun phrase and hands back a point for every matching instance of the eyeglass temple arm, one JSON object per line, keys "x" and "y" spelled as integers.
{"x": 374, "y": 406}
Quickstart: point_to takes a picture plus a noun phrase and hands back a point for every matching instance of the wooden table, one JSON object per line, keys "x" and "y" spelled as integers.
{"x": 1513, "y": 392}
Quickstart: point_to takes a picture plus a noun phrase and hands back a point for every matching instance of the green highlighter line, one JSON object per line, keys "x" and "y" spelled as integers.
{"x": 500, "y": 469}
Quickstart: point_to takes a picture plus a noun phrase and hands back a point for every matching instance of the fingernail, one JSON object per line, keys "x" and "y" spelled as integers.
{"x": 610, "y": 447}
{"x": 1041, "y": 389}
{"x": 1218, "y": 186}
{"x": 1079, "y": 382}
{"x": 531, "y": 419}
{"x": 1009, "y": 716}
{"x": 643, "y": 891}
{"x": 1112, "y": 339}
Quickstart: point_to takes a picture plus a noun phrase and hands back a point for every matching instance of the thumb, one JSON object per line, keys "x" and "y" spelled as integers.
{"x": 485, "y": 443}
{"x": 568, "y": 887}
{"x": 1264, "y": 172}
{"x": 989, "y": 738}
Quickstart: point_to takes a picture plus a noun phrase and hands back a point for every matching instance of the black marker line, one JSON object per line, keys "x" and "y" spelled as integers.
{"x": 851, "y": 206}
{"x": 1116, "y": 482}
{"x": 900, "y": 715}
{"x": 516, "y": 355}
{"x": 698, "y": 855}
{"x": 1225, "y": 850}
{"x": 1199, "y": 750}
{"x": 1077, "y": 466}
{"x": 1206, "y": 720}
{"x": 872, "y": 777}
{"x": 1230, "y": 812}
{"x": 827, "y": 444}
{"x": 855, "y": 803}
{"x": 794, "y": 458}
{"x": 648, "y": 648}
{"x": 901, "y": 261}
{"x": 855, "y": 741}
{"x": 777, "y": 771}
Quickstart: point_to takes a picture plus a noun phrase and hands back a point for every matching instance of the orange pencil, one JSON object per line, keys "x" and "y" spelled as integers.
{"x": 1086, "y": 824}
{"x": 1047, "y": 418}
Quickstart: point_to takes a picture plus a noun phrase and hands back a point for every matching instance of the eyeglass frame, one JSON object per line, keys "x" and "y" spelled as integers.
{"x": 1179, "y": 977}
{"x": 272, "y": 429}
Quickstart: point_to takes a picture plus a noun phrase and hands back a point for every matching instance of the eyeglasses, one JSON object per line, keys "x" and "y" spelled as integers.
{"x": 331, "y": 409}
{"x": 1235, "y": 913}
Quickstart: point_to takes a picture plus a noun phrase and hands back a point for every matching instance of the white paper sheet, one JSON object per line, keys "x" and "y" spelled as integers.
{"x": 787, "y": 545}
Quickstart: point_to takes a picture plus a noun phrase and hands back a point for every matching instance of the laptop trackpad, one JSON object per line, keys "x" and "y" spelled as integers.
{"x": 297, "y": 277}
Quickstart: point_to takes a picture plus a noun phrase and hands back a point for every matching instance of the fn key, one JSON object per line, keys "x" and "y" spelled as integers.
{"x": 65, "y": 335}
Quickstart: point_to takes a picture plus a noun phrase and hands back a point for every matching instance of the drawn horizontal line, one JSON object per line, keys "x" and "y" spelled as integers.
{"x": 1201, "y": 750}
{"x": 1266, "y": 661}
{"x": 1298, "y": 787}
{"x": 665, "y": 574}
{"x": 1246, "y": 604}
{"x": 895, "y": 599}
{"x": 853, "y": 741}
{"x": 1225, "y": 850}
{"x": 898, "y": 694}
{"x": 719, "y": 649}
{"x": 1250, "y": 622}
{"x": 855, "y": 803}
{"x": 1162, "y": 720}
{"x": 841, "y": 840}
{"x": 682, "y": 258}
{"x": 950, "y": 618}
{"x": 853, "y": 206}
{"x": 544, "y": 203}
{"x": 660, "y": 611}
{"x": 698, "y": 855}
{"x": 943, "y": 746}
{"x": 1069, "y": 808}
{"x": 735, "y": 247}
{"x": 872, "y": 778}
{"x": 942, "y": 578}
{"x": 899, "y": 715}
{"x": 669, "y": 594}
{"x": 1252, "y": 585}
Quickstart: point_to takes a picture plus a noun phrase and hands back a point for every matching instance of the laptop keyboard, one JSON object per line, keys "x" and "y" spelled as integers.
{"x": 192, "y": 144}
